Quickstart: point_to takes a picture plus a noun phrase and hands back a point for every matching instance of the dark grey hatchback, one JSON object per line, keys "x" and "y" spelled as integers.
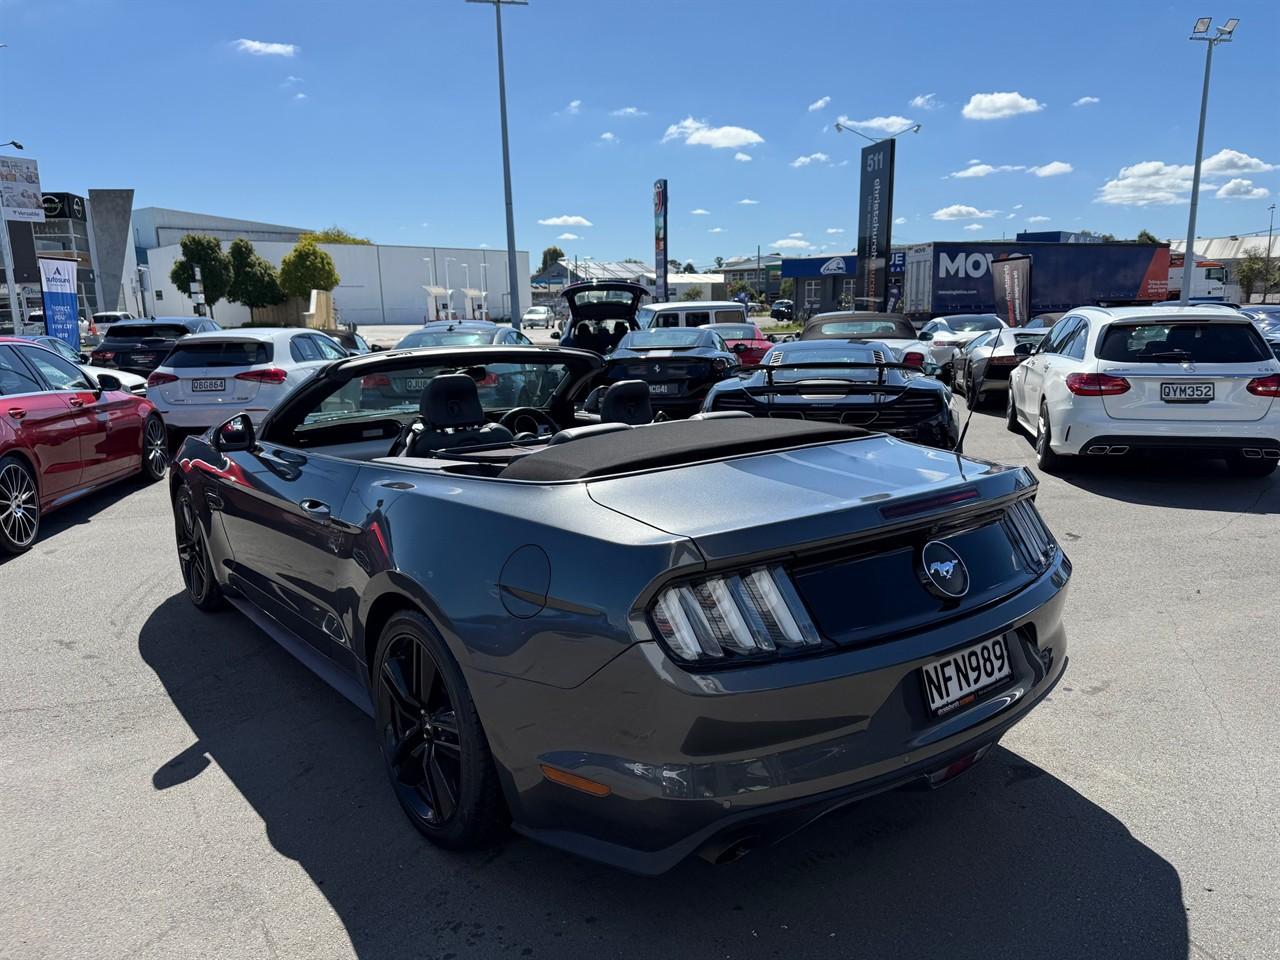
{"x": 578, "y": 627}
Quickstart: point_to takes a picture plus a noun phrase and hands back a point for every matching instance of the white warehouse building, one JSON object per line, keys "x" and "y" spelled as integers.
{"x": 380, "y": 283}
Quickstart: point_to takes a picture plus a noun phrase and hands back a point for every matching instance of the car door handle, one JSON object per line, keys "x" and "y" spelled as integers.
{"x": 315, "y": 509}
{"x": 76, "y": 402}
{"x": 17, "y": 412}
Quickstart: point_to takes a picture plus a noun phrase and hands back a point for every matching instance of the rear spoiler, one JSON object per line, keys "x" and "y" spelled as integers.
{"x": 879, "y": 366}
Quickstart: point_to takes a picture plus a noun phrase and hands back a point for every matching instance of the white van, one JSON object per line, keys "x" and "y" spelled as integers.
{"x": 690, "y": 313}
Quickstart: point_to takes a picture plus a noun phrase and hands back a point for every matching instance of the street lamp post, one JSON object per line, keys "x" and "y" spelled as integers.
{"x": 448, "y": 288}
{"x": 484, "y": 289}
{"x": 431, "y": 291}
{"x": 1266, "y": 279}
{"x": 513, "y": 272}
{"x": 1221, "y": 34}
{"x": 466, "y": 290}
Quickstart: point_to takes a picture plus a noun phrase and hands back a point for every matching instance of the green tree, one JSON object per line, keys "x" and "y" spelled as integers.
{"x": 693, "y": 293}
{"x": 254, "y": 282}
{"x": 719, "y": 262}
{"x": 787, "y": 289}
{"x": 689, "y": 267}
{"x": 741, "y": 286}
{"x": 334, "y": 234}
{"x": 203, "y": 251}
{"x": 1146, "y": 236}
{"x": 552, "y": 254}
{"x": 305, "y": 268}
{"x": 1251, "y": 272}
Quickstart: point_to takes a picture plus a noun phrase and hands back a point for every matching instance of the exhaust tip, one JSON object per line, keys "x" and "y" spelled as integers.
{"x": 1118, "y": 451}
{"x": 1097, "y": 450}
{"x": 1252, "y": 453}
{"x": 1271, "y": 454}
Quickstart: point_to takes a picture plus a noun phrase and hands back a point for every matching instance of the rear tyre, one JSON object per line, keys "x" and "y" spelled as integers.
{"x": 193, "y": 556}
{"x": 1246, "y": 467}
{"x": 971, "y": 395}
{"x": 1011, "y": 414}
{"x": 19, "y": 506}
{"x": 436, "y": 752}
{"x": 155, "y": 449}
{"x": 1046, "y": 459}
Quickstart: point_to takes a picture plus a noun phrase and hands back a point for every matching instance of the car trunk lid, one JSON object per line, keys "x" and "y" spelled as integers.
{"x": 207, "y": 370}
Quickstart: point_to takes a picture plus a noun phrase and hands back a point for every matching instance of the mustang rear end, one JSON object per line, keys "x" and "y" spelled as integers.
{"x": 895, "y": 614}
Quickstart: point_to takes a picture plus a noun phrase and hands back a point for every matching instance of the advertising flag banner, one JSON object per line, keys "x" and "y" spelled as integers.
{"x": 660, "y": 240}
{"x": 61, "y": 313}
{"x": 20, "y": 196}
{"x": 875, "y": 216}
{"x": 1011, "y": 284}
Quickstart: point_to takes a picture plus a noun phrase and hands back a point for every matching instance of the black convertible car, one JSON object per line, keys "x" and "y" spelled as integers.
{"x": 842, "y": 381}
{"x": 579, "y": 628}
{"x": 680, "y": 364}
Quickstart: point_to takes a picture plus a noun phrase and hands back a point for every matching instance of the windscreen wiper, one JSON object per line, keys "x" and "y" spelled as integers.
{"x": 1166, "y": 355}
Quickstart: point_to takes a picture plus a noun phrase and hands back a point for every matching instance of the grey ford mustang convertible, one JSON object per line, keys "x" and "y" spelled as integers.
{"x": 635, "y": 641}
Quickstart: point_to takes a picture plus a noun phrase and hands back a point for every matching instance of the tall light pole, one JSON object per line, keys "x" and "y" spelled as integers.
{"x": 466, "y": 290}
{"x": 431, "y": 287}
{"x": 144, "y": 275}
{"x": 1266, "y": 279}
{"x": 484, "y": 288}
{"x": 448, "y": 287}
{"x": 513, "y": 272}
{"x": 1221, "y": 34}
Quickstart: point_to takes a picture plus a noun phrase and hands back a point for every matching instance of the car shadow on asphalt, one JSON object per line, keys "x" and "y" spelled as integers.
{"x": 81, "y": 511}
{"x": 1006, "y": 861}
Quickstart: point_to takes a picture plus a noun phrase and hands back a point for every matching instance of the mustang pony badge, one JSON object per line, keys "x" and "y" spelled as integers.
{"x": 942, "y": 572}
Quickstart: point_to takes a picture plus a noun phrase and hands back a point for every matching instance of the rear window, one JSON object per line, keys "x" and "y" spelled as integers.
{"x": 140, "y": 331}
{"x": 666, "y": 337}
{"x": 456, "y": 338}
{"x": 239, "y": 353}
{"x": 869, "y": 329}
{"x": 736, "y": 331}
{"x": 970, "y": 324}
{"x": 728, "y": 316}
{"x": 1209, "y": 342}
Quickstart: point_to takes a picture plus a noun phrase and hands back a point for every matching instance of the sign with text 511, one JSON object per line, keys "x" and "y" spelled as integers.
{"x": 875, "y": 214}
{"x": 61, "y": 313}
{"x": 20, "y": 196}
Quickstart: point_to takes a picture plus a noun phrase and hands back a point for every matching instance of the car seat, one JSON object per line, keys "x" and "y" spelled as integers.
{"x": 627, "y": 401}
{"x": 450, "y": 416}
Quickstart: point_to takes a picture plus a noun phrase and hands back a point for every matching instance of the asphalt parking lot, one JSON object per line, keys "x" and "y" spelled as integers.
{"x": 174, "y": 785}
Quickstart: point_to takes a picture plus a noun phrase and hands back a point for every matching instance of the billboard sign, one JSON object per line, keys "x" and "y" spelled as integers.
{"x": 63, "y": 206}
{"x": 875, "y": 215}
{"x": 660, "y": 204}
{"x": 61, "y": 313}
{"x": 20, "y": 196}
{"x": 1011, "y": 286}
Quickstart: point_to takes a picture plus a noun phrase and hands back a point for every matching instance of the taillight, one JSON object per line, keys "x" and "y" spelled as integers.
{"x": 913, "y": 358}
{"x": 1265, "y": 386}
{"x": 945, "y": 342}
{"x": 719, "y": 365}
{"x": 102, "y": 356}
{"x": 375, "y": 381}
{"x": 268, "y": 375}
{"x": 1096, "y": 384}
{"x": 750, "y": 614}
{"x": 160, "y": 379}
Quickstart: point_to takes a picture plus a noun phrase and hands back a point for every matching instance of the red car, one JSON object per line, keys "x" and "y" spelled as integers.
{"x": 754, "y": 344}
{"x": 64, "y": 434}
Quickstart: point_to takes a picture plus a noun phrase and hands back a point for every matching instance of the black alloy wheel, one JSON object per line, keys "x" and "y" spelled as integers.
{"x": 193, "y": 555}
{"x": 1046, "y": 459}
{"x": 19, "y": 506}
{"x": 435, "y": 750}
{"x": 1011, "y": 414}
{"x": 155, "y": 449}
{"x": 971, "y": 395}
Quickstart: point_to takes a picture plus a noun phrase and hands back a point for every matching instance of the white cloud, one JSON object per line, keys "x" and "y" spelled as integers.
{"x": 609, "y": 137}
{"x": 819, "y": 104}
{"x": 1038, "y": 219}
{"x": 972, "y": 162}
{"x": 959, "y": 211}
{"x": 995, "y": 106}
{"x": 792, "y": 243}
{"x": 700, "y": 212}
{"x": 748, "y": 202}
{"x": 973, "y": 226}
{"x": 1010, "y": 216}
{"x": 566, "y": 220}
{"x": 742, "y": 157}
{"x": 568, "y": 236}
{"x": 885, "y": 125}
{"x": 835, "y": 229}
{"x": 262, "y": 48}
{"x": 1054, "y": 168}
{"x": 1086, "y": 102}
{"x": 573, "y": 107}
{"x": 1230, "y": 162}
{"x": 925, "y": 101}
{"x": 700, "y": 133}
{"x": 299, "y": 96}
{"x": 811, "y": 158}
{"x": 716, "y": 230}
{"x": 291, "y": 80}
{"x": 984, "y": 170}
{"x": 1017, "y": 206}
{"x": 1239, "y": 188}
{"x": 1156, "y": 182}
{"x": 628, "y": 112}
{"x": 900, "y": 220}
{"x": 794, "y": 235}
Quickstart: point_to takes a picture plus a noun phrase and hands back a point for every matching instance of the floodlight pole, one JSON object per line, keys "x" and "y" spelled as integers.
{"x": 1266, "y": 279}
{"x": 1189, "y": 254}
{"x": 513, "y": 273}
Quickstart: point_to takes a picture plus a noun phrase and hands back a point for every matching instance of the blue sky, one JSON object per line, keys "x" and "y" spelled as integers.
{"x": 382, "y": 116}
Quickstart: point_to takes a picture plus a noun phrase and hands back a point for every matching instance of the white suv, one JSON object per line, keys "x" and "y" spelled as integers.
{"x": 1192, "y": 379}
{"x": 209, "y": 377}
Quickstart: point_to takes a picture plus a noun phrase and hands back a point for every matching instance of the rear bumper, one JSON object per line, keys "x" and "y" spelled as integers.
{"x": 714, "y": 762}
{"x": 1082, "y": 429}
{"x": 201, "y": 416}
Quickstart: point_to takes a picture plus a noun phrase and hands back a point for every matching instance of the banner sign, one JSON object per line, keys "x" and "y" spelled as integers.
{"x": 61, "y": 312}
{"x": 63, "y": 206}
{"x": 660, "y": 239}
{"x": 875, "y": 215}
{"x": 1011, "y": 284}
{"x": 20, "y": 197}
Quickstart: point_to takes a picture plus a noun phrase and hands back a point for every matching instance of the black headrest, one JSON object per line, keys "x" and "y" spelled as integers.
{"x": 451, "y": 400}
{"x": 627, "y": 401}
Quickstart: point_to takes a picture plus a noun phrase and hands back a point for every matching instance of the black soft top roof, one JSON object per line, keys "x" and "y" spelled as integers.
{"x": 680, "y": 442}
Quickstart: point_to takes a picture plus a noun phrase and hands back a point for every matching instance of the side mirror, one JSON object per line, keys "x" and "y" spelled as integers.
{"x": 772, "y": 337}
{"x": 107, "y": 381}
{"x": 1023, "y": 349}
{"x": 594, "y": 400}
{"x": 739, "y": 348}
{"x": 924, "y": 336}
{"x": 235, "y": 435}
{"x": 555, "y": 334}
{"x": 84, "y": 358}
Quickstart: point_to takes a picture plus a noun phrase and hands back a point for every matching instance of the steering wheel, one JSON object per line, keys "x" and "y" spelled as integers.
{"x": 529, "y": 420}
